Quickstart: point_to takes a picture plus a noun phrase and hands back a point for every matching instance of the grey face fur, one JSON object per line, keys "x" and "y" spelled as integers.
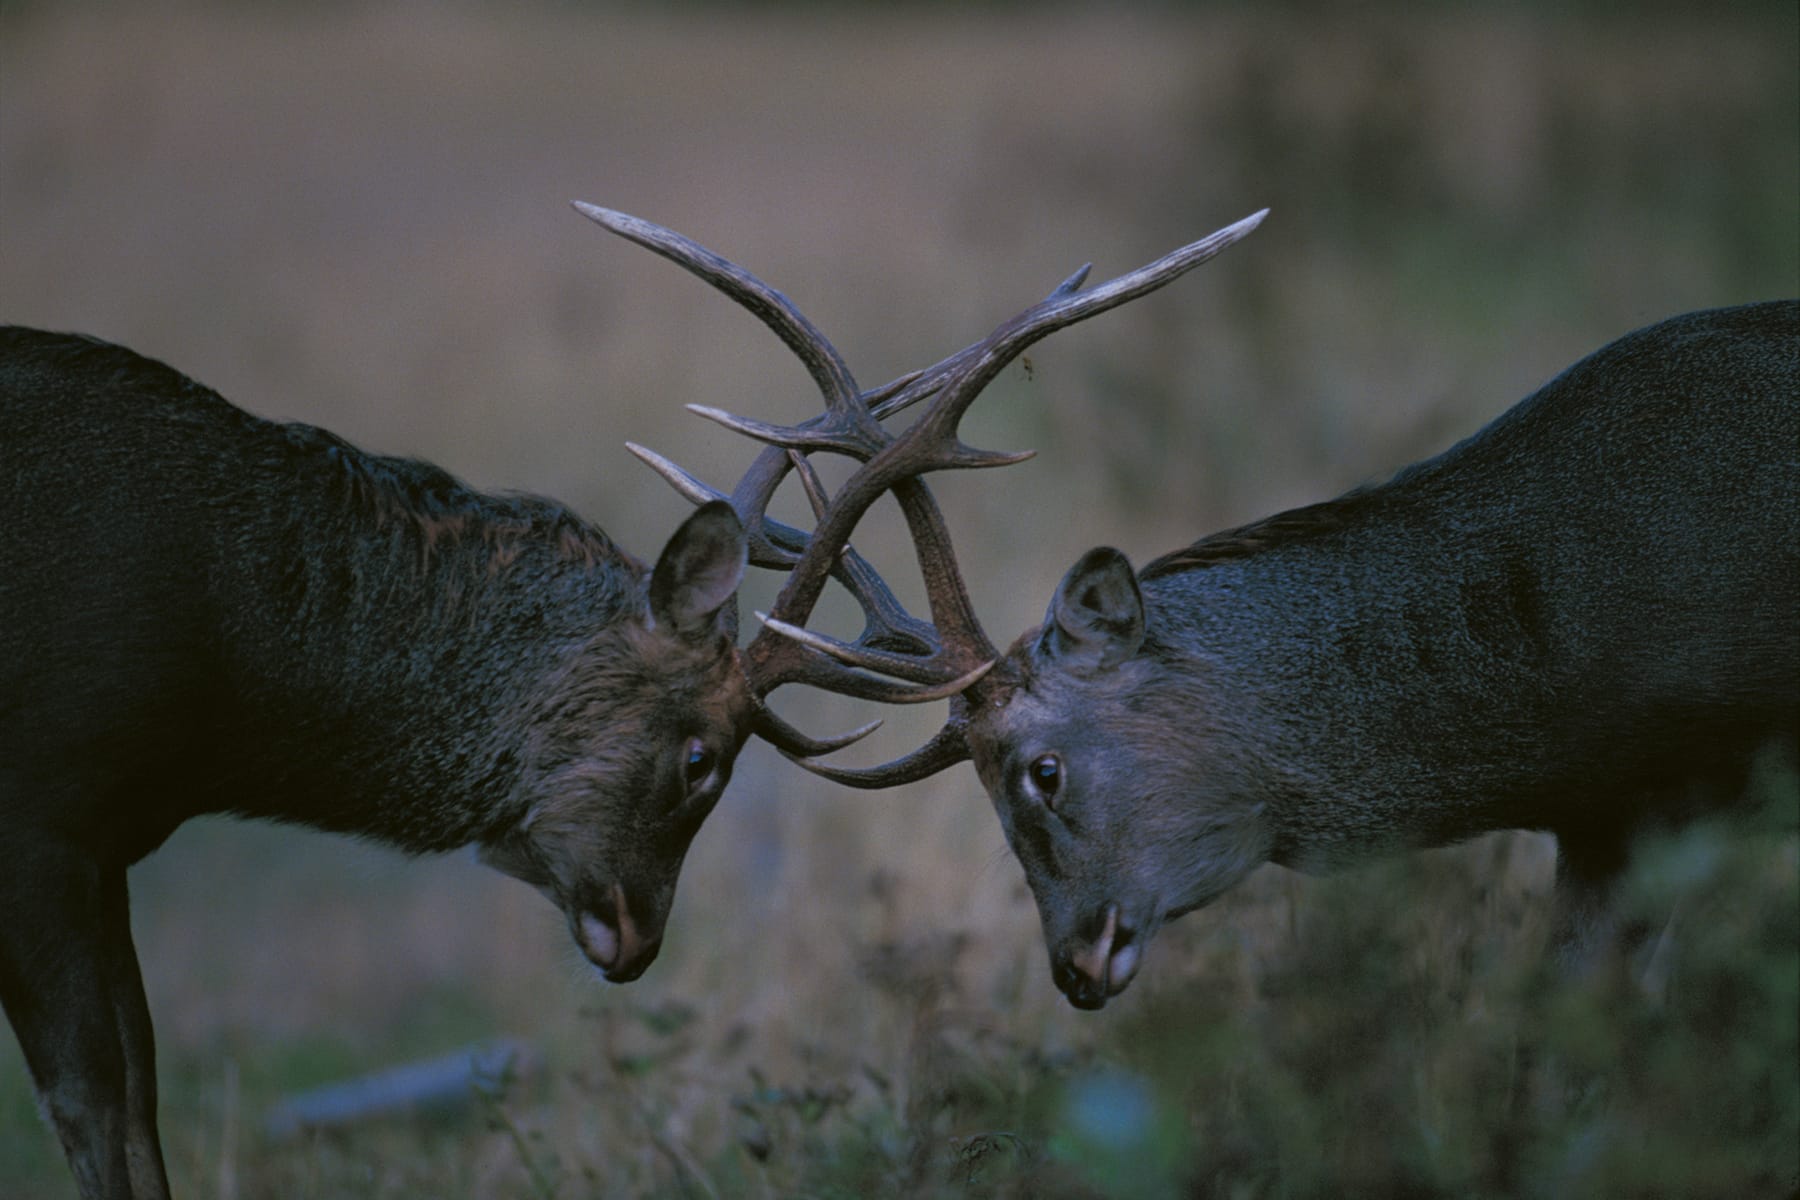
{"x": 1122, "y": 805}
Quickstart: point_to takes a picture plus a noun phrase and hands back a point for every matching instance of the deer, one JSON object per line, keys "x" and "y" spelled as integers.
{"x": 1583, "y": 619}
{"x": 205, "y": 611}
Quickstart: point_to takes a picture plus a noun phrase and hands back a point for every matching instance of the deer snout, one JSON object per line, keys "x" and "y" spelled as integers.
{"x": 1089, "y": 971}
{"x": 613, "y": 940}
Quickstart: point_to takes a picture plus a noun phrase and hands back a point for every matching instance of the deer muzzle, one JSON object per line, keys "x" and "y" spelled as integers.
{"x": 1092, "y": 972}
{"x": 613, "y": 940}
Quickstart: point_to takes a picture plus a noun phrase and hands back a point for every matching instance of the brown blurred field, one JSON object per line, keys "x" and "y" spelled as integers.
{"x": 356, "y": 215}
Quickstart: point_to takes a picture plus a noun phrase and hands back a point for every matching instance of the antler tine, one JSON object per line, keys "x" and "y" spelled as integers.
{"x": 772, "y": 308}
{"x": 911, "y": 388}
{"x": 845, "y": 424}
{"x": 772, "y": 544}
{"x": 696, "y": 491}
{"x": 784, "y": 737}
{"x": 922, "y": 669}
{"x": 811, "y": 484}
{"x": 949, "y": 746}
{"x": 1057, "y": 311}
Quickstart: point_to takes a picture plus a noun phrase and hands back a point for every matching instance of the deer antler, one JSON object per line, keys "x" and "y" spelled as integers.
{"x": 897, "y": 659}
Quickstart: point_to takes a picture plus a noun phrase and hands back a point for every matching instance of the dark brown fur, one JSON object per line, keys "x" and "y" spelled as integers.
{"x": 202, "y": 611}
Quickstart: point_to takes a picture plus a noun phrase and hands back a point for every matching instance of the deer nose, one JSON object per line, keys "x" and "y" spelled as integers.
{"x": 1090, "y": 974}
{"x": 613, "y": 941}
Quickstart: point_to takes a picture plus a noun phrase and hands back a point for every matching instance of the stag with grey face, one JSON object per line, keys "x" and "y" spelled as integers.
{"x": 1098, "y": 757}
{"x": 1580, "y": 620}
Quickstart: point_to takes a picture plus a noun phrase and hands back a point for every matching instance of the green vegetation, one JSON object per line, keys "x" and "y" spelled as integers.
{"x": 1385, "y": 1032}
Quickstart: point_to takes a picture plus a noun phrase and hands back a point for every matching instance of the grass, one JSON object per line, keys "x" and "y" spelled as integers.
{"x": 1384, "y": 1032}
{"x": 353, "y": 215}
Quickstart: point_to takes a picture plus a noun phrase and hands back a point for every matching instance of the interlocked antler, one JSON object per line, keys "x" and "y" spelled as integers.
{"x": 897, "y": 659}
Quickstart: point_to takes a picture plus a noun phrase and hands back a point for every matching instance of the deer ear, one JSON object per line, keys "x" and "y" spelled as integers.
{"x": 1096, "y": 621}
{"x": 698, "y": 574}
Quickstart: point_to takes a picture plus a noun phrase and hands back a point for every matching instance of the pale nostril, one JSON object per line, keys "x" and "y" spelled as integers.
{"x": 1123, "y": 968}
{"x": 601, "y": 940}
{"x": 1122, "y": 964}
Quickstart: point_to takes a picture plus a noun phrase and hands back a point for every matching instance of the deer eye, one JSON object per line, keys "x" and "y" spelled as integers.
{"x": 1045, "y": 774}
{"x": 697, "y": 761}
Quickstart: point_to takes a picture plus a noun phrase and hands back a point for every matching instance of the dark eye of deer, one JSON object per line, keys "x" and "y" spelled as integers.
{"x": 1046, "y": 777}
{"x": 699, "y": 762}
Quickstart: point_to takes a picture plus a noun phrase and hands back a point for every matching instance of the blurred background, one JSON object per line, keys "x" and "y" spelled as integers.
{"x": 355, "y": 214}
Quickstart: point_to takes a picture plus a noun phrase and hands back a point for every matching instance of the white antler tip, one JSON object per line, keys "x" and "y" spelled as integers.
{"x": 806, "y": 637}
{"x": 857, "y": 734}
{"x": 594, "y": 212}
{"x": 782, "y": 627}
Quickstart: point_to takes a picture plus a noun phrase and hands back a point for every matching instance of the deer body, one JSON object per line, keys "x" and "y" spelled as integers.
{"x": 1601, "y": 579}
{"x": 1583, "y": 619}
{"x": 202, "y": 611}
